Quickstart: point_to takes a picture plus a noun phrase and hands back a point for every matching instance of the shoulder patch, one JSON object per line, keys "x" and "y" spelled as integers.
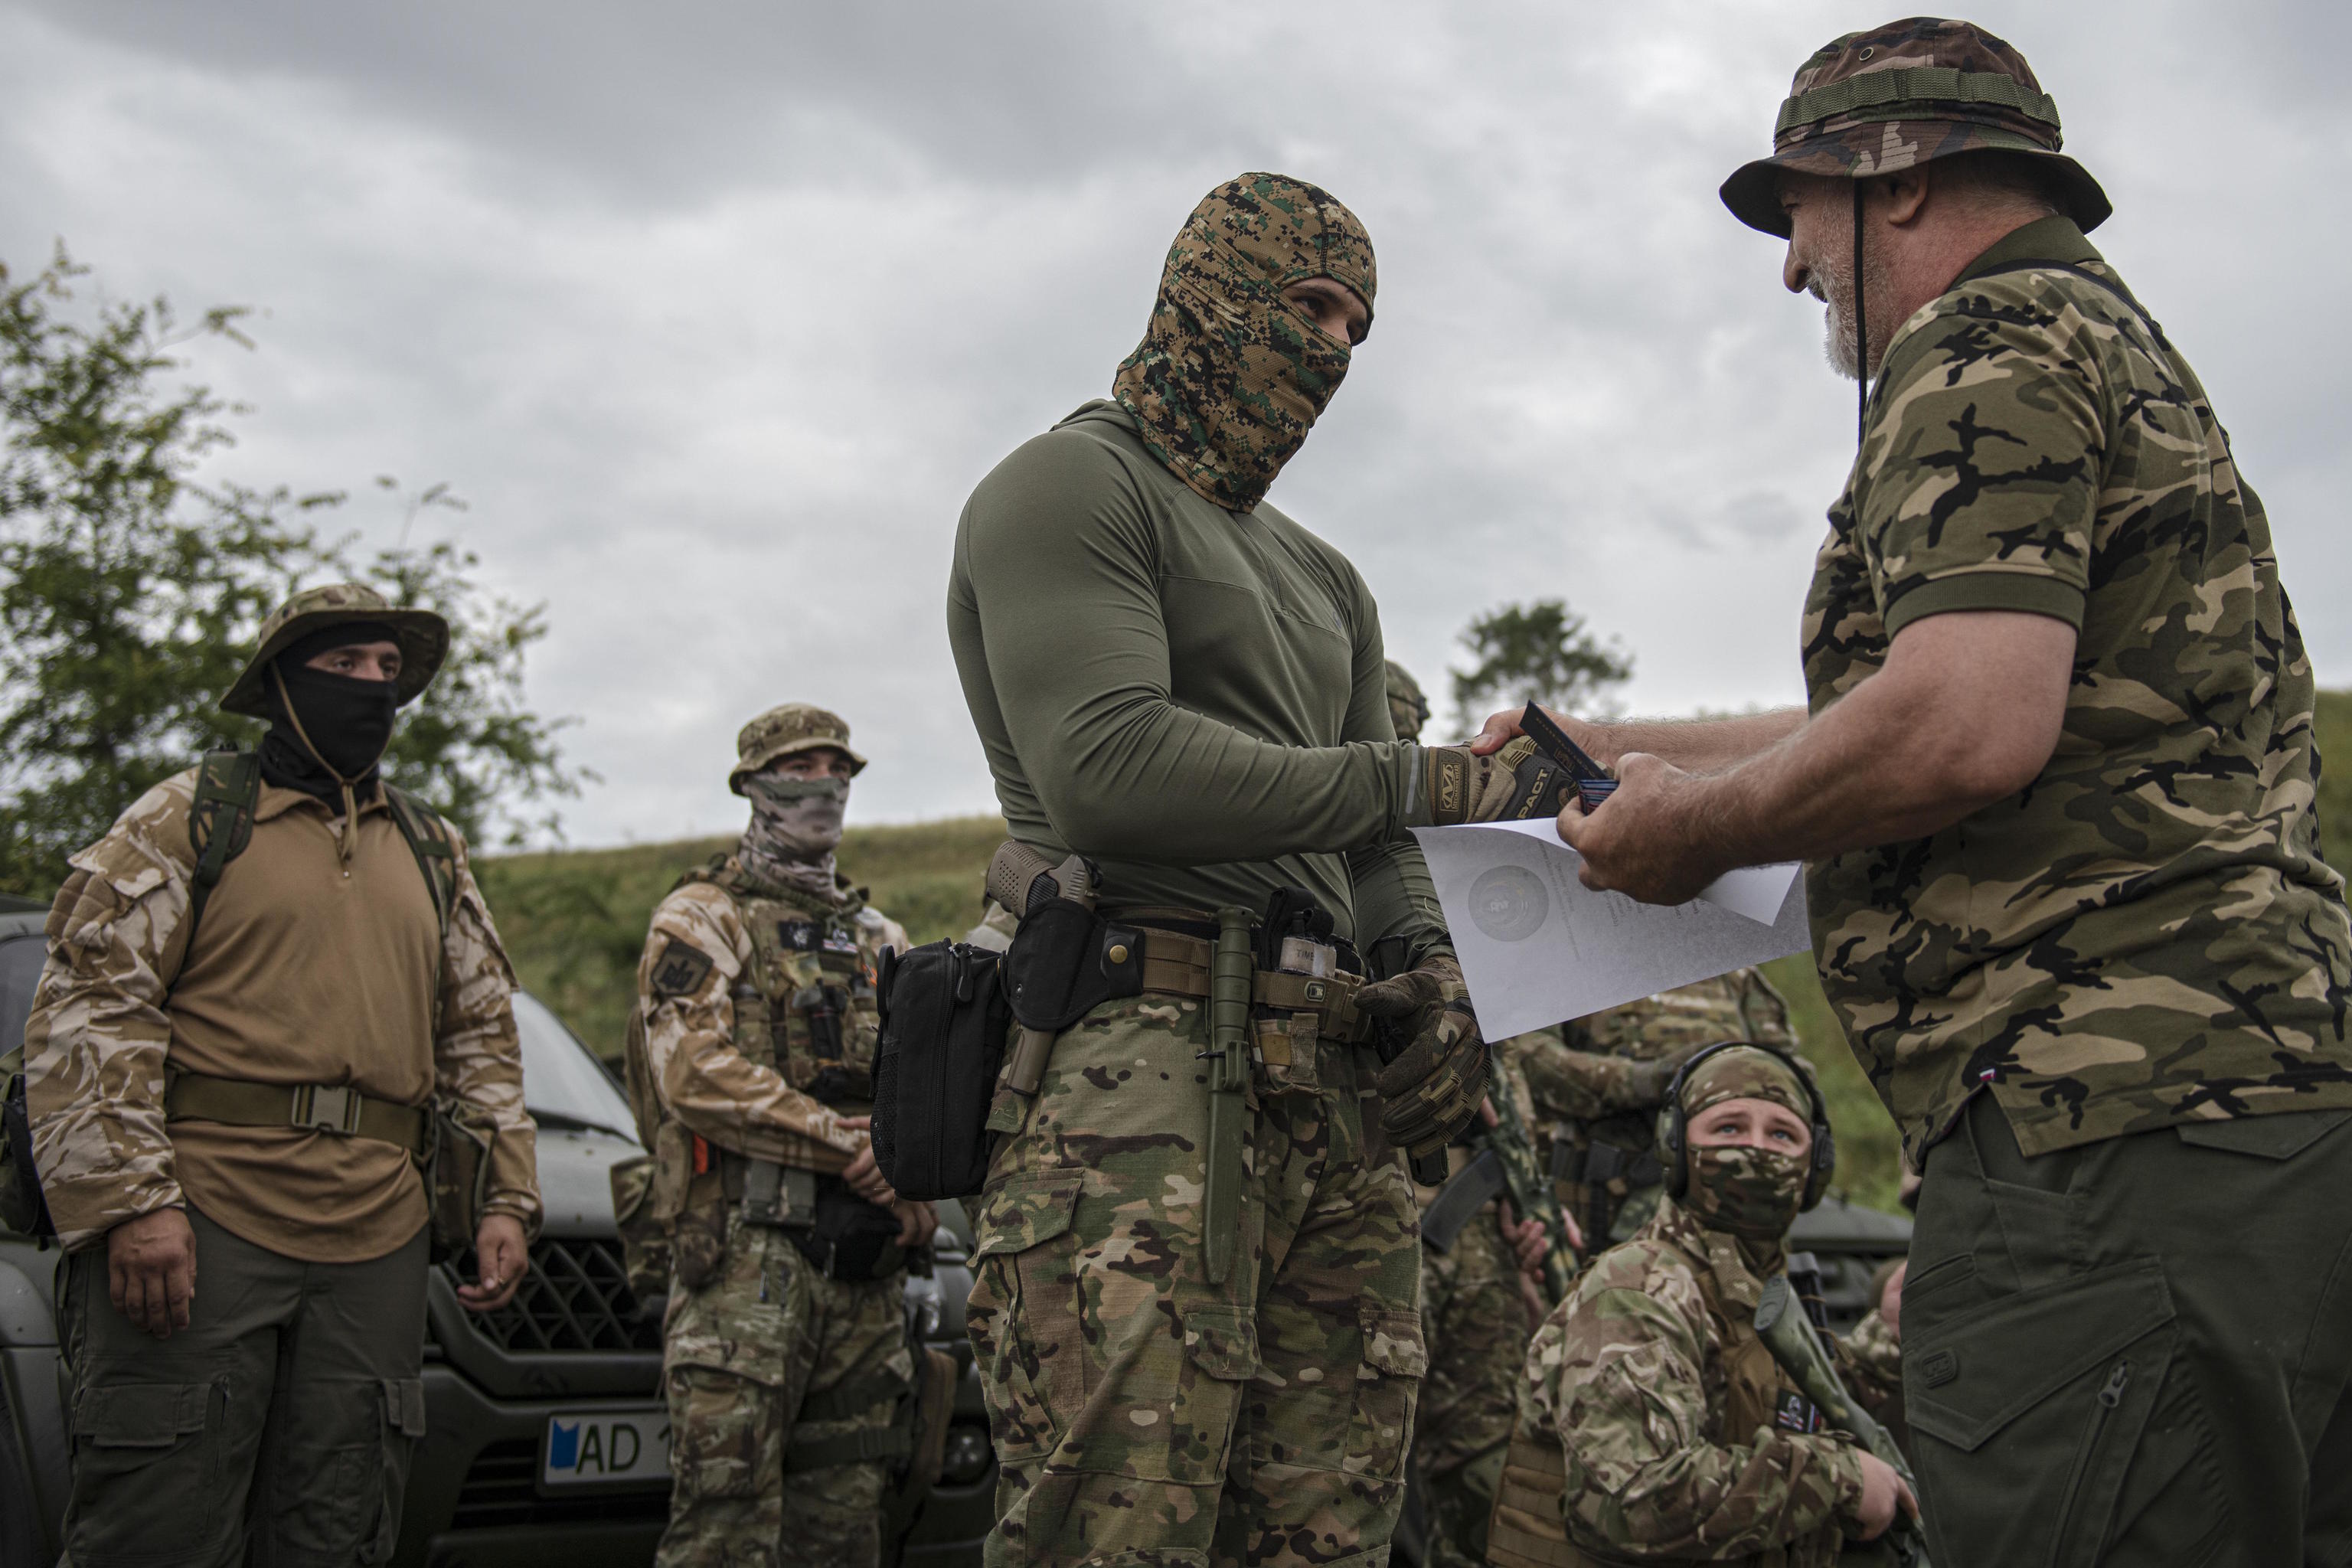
{"x": 681, "y": 970}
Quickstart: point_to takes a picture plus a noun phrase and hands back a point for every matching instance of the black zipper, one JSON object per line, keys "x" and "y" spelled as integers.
{"x": 2111, "y": 1395}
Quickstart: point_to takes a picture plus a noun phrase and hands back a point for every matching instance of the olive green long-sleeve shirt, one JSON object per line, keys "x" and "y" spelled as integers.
{"x": 1193, "y": 697}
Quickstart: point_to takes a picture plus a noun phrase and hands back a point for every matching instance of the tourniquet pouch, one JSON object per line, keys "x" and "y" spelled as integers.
{"x": 944, "y": 1022}
{"x": 852, "y": 1239}
{"x": 458, "y": 1175}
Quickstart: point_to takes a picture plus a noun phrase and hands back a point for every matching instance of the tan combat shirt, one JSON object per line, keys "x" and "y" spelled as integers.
{"x": 302, "y": 970}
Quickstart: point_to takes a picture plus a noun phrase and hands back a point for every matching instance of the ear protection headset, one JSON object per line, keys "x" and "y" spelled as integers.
{"x": 1672, "y": 1124}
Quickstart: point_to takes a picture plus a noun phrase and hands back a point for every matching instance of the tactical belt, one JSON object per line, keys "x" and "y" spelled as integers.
{"x": 325, "y": 1108}
{"x": 1176, "y": 963}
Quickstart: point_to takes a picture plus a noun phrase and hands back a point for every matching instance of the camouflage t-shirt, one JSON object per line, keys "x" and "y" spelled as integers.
{"x": 2147, "y": 935}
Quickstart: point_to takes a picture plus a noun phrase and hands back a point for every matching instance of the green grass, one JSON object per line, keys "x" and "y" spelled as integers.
{"x": 575, "y": 925}
{"x": 574, "y": 920}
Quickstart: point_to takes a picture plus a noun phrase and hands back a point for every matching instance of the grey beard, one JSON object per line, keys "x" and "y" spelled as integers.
{"x": 1835, "y": 291}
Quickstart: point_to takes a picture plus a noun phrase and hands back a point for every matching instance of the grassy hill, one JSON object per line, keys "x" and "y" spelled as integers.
{"x": 575, "y": 923}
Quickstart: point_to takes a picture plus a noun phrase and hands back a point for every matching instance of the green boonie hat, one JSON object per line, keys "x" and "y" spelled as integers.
{"x": 780, "y": 732}
{"x": 423, "y": 641}
{"x": 1901, "y": 95}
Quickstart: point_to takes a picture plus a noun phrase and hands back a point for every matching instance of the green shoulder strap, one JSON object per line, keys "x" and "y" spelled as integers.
{"x": 220, "y": 821}
{"x": 428, "y": 840}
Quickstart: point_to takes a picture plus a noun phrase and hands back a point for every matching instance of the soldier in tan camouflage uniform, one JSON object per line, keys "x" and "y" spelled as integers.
{"x": 2057, "y": 792}
{"x": 1655, "y": 1426}
{"x": 232, "y": 1061}
{"x": 751, "y": 1067}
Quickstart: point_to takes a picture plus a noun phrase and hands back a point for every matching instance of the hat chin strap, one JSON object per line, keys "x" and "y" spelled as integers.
{"x": 1861, "y": 330}
{"x": 351, "y": 801}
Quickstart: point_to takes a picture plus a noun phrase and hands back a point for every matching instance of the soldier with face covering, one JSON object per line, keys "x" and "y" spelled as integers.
{"x": 1655, "y": 1424}
{"x": 258, "y": 984}
{"x": 749, "y": 1066}
{"x": 1175, "y": 680}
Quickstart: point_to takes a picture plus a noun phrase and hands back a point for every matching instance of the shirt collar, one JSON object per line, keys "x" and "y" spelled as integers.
{"x": 2051, "y": 238}
{"x": 276, "y": 802}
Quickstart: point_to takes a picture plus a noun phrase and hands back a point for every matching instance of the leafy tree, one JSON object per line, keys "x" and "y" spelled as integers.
{"x": 1534, "y": 653}
{"x": 131, "y": 593}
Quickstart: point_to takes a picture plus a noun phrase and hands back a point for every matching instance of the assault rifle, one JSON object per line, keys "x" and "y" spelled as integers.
{"x": 1505, "y": 1166}
{"x": 1788, "y": 1332}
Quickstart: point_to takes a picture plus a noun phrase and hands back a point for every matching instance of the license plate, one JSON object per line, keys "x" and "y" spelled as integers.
{"x": 591, "y": 1447}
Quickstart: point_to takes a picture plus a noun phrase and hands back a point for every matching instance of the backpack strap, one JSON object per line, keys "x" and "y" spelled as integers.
{"x": 428, "y": 839}
{"x": 220, "y": 821}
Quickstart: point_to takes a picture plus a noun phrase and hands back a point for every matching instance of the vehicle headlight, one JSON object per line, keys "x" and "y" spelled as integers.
{"x": 967, "y": 1456}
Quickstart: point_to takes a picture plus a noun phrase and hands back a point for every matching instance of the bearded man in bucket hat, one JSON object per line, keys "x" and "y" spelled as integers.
{"x": 2055, "y": 792}
{"x": 1197, "y": 1297}
{"x": 260, "y": 984}
{"x": 751, "y": 1069}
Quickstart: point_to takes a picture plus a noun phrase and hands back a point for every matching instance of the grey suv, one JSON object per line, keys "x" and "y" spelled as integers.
{"x": 545, "y": 1439}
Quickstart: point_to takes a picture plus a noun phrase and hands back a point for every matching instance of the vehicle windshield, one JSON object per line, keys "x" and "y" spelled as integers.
{"x": 563, "y": 1084}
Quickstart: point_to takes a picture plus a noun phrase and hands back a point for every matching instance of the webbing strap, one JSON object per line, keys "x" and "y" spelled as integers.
{"x": 326, "y": 1107}
{"x": 1880, "y": 90}
{"x": 429, "y": 845}
{"x": 854, "y": 1397}
{"x": 1177, "y": 965}
{"x": 220, "y": 822}
{"x": 854, "y": 1448}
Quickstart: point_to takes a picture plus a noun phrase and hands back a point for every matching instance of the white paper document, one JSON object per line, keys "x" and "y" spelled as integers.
{"x": 1538, "y": 947}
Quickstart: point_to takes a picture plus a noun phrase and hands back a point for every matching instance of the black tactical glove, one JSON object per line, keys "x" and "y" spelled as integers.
{"x": 1432, "y": 1088}
{"x": 1515, "y": 783}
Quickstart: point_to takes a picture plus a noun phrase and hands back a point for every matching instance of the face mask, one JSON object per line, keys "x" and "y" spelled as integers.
{"x": 1230, "y": 376}
{"x": 796, "y": 824}
{"x": 1752, "y": 1194}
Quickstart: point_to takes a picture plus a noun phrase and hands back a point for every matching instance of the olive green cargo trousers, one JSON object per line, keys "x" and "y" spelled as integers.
{"x": 2135, "y": 1352}
{"x": 282, "y": 1415}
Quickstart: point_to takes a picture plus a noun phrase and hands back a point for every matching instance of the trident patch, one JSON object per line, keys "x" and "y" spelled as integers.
{"x": 681, "y": 970}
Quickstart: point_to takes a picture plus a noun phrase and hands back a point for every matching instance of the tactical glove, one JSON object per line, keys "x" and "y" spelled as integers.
{"x": 1517, "y": 781}
{"x": 1431, "y": 1088}
{"x": 1646, "y": 1082}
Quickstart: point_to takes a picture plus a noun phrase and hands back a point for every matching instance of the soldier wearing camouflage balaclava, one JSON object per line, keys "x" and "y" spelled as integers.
{"x": 1655, "y": 1424}
{"x": 2055, "y": 792}
{"x": 262, "y": 985}
{"x": 750, "y": 1064}
{"x": 1172, "y": 677}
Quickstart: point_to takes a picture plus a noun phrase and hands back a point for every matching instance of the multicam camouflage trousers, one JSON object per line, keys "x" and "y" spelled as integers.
{"x": 1143, "y": 1416}
{"x": 1477, "y": 1333}
{"x": 749, "y": 1359}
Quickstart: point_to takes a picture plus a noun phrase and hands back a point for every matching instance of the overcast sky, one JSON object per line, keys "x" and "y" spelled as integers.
{"x": 715, "y": 313}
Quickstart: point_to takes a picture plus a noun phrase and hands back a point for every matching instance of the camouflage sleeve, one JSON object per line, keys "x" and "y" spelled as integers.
{"x": 1870, "y": 1364}
{"x": 95, "y": 1042}
{"x": 1646, "y": 1473}
{"x": 1582, "y": 1086}
{"x": 475, "y": 1055}
{"x": 1978, "y": 484}
{"x": 694, "y": 952}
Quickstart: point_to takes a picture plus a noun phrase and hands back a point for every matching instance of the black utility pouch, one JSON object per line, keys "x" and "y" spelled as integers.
{"x": 944, "y": 1022}
{"x": 1065, "y": 961}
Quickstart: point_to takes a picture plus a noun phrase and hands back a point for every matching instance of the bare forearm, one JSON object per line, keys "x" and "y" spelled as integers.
{"x": 1693, "y": 745}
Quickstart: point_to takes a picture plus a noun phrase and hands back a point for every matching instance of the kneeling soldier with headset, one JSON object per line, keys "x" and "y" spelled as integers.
{"x": 259, "y": 985}
{"x": 1655, "y": 1423}
{"x": 750, "y": 1063}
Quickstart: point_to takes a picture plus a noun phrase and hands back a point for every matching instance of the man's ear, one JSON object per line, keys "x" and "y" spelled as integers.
{"x": 1903, "y": 194}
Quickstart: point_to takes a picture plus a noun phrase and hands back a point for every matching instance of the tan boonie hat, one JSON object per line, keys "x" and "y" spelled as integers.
{"x": 423, "y": 638}
{"x": 780, "y": 732}
{"x": 1901, "y": 95}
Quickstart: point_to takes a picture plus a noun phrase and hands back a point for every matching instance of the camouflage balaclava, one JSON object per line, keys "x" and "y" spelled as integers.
{"x": 1408, "y": 709}
{"x": 795, "y": 821}
{"x": 1230, "y": 376}
{"x": 1751, "y": 1194}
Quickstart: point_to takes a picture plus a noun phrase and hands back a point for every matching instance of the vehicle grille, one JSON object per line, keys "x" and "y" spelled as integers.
{"x": 575, "y": 1297}
{"x": 502, "y": 1488}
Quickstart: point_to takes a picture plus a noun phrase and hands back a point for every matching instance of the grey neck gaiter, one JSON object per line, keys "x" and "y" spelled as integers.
{"x": 796, "y": 825}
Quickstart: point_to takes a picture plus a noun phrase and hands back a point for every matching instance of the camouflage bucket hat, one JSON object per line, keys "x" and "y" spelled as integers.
{"x": 1903, "y": 94}
{"x": 1746, "y": 1072}
{"x": 424, "y": 640}
{"x": 780, "y": 732}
